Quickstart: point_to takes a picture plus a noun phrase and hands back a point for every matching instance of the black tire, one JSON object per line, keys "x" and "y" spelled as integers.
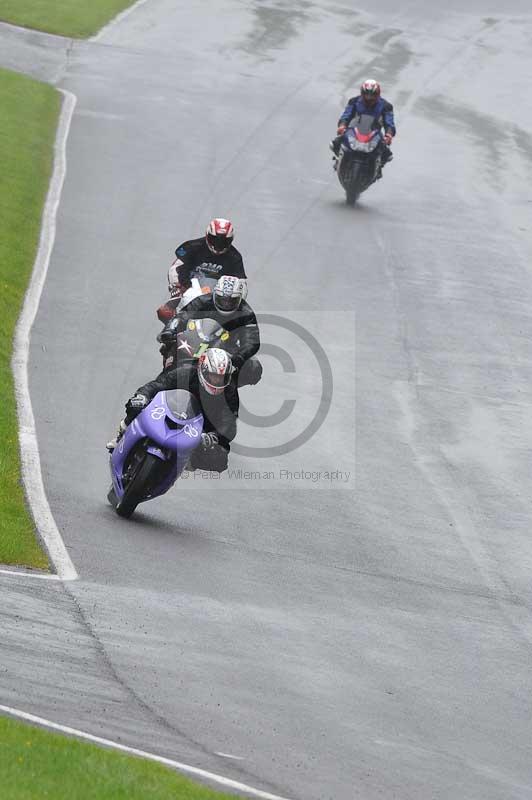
{"x": 351, "y": 196}
{"x": 138, "y": 486}
{"x": 351, "y": 182}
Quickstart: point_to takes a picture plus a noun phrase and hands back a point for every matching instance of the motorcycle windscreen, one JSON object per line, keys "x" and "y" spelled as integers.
{"x": 205, "y": 283}
{"x": 208, "y": 329}
{"x": 365, "y": 124}
{"x": 181, "y": 404}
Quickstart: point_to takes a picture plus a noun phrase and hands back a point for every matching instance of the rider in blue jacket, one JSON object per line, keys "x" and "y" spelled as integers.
{"x": 369, "y": 101}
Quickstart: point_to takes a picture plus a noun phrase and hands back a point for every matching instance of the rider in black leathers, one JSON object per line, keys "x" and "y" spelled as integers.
{"x": 220, "y": 413}
{"x": 241, "y": 321}
{"x": 210, "y": 256}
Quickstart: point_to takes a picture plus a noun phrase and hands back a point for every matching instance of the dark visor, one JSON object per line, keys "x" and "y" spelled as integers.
{"x": 219, "y": 242}
{"x": 226, "y": 302}
{"x": 215, "y": 379}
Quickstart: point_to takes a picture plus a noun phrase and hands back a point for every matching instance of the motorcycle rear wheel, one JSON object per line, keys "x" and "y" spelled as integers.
{"x": 138, "y": 485}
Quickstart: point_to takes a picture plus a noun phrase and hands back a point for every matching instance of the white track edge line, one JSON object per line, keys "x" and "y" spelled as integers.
{"x": 119, "y": 17}
{"x": 29, "y": 449}
{"x": 211, "y": 776}
{"x": 43, "y": 576}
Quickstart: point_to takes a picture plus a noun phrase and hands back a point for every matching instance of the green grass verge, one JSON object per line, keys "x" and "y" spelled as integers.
{"x": 37, "y": 764}
{"x": 74, "y": 18}
{"x": 27, "y": 131}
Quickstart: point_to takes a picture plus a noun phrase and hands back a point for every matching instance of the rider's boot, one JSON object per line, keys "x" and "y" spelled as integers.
{"x": 334, "y": 145}
{"x": 113, "y": 443}
{"x": 386, "y": 155}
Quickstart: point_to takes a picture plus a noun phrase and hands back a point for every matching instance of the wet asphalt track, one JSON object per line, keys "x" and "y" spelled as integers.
{"x": 369, "y": 637}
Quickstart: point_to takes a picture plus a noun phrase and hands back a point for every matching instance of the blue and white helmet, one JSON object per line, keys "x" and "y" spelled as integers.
{"x": 229, "y": 293}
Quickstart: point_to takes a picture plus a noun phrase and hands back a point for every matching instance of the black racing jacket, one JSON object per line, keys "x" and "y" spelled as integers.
{"x": 220, "y": 412}
{"x": 197, "y": 258}
{"x": 243, "y": 320}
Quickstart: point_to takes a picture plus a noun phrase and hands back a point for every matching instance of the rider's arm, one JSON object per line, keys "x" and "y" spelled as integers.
{"x": 178, "y": 378}
{"x": 349, "y": 112}
{"x": 182, "y": 264}
{"x": 226, "y": 417}
{"x": 389, "y": 121}
{"x": 238, "y": 268}
{"x": 249, "y": 344}
{"x": 199, "y": 308}
{"x": 248, "y": 335}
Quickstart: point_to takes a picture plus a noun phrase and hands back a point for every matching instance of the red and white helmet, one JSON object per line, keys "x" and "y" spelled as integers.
{"x": 219, "y": 235}
{"x": 370, "y": 91}
{"x": 214, "y": 370}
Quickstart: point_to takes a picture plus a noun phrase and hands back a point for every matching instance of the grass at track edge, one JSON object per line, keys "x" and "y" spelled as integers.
{"x": 76, "y": 19}
{"x": 28, "y": 122}
{"x": 38, "y": 764}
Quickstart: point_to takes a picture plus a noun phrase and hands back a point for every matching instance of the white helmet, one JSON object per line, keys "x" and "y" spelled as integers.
{"x": 229, "y": 293}
{"x": 214, "y": 370}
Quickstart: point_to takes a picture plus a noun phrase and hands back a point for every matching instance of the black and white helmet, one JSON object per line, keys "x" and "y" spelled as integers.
{"x": 214, "y": 370}
{"x": 229, "y": 293}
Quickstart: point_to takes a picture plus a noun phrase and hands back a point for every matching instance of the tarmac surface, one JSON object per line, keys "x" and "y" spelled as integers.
{"x": 350, "y": 618}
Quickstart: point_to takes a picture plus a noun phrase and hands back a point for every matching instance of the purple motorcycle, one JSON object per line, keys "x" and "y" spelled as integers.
{"x": 154, "y": 450}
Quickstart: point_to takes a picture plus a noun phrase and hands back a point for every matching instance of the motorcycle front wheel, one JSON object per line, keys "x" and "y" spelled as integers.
{"x": 143, "y": 477}
{"x": 351, "y": 195}
{"x": 351, "y": 182}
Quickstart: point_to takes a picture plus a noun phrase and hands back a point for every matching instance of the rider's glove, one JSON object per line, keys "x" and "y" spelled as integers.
{"x": 209, "y": 439}
{"x": 388, "y": 138}
{"x": 135, "y": 404}
{"x": 237, "y": 362}
{"x": 169, "y": 332}
{"x": 341, "y": 129}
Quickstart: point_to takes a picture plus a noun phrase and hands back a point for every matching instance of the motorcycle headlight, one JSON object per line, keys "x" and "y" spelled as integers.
{"x": 365, "y": 147}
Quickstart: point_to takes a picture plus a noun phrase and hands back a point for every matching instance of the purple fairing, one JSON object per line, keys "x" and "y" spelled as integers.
{"x": 171, "y": 427}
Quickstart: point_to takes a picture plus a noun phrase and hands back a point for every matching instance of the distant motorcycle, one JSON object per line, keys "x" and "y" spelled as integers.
{"x": 359, "y": 159}
{"x": 154, "y": 450}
